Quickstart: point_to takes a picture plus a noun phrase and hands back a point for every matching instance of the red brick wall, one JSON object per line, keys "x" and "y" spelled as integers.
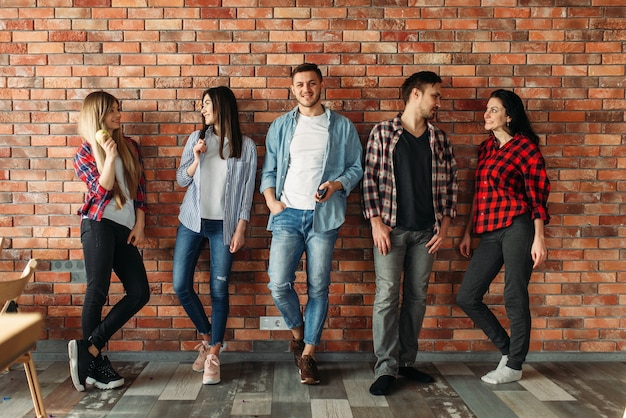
{"x": 565, "y": 58}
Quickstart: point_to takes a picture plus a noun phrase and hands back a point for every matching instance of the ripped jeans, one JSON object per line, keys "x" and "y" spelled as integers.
{"x": 293, "y": 235}
{"x": 186, "y": 253}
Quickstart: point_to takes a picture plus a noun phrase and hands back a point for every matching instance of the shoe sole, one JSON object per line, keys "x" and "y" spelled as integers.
{"x": 491, "y": 381}
{"x": 105, "y": 386}
{"x": 211, "y": 382}
{"x": 308, "y": 380}
{"x": 72, "y": 351}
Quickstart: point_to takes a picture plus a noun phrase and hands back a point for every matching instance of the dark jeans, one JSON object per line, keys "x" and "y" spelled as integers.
{"x": 509, "y": 247}
{"x": 105, "y": 249}
{"x": 186, "y": 253}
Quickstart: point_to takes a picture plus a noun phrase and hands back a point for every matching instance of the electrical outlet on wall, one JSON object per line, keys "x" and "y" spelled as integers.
{"x": 272, "y": 323}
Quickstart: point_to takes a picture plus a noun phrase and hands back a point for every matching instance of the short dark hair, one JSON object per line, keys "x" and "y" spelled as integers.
{"x": 514, "y": 109}
{"x": 417, "y": 81}
{"x": 307, "y": 67}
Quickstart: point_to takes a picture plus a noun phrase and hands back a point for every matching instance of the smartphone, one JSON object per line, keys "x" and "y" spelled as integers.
{"x": 321, "y": 193}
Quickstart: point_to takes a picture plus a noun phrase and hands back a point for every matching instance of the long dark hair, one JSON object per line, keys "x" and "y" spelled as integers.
{"x": 515, "y": 110}
{"x": 225, "y": 106}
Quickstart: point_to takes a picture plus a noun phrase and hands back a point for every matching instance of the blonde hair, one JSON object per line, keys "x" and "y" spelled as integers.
{"x": 91, "y": 119}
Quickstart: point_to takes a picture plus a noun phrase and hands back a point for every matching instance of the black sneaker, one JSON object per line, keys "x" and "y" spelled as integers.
{"x": 81, "y": 362}
{"x": 297, "y": 346}
{"x": 103, "y": 375}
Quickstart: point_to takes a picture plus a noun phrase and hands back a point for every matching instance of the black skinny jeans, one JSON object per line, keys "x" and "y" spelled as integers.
{"x": 105, "y": 249}
{"x": 509, "y": 246}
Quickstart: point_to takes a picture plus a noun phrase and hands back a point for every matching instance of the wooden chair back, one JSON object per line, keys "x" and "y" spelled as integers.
{"x": 11, "y": 289}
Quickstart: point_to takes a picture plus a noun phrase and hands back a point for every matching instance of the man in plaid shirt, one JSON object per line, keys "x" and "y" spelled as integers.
{"x": 409, "y": 195}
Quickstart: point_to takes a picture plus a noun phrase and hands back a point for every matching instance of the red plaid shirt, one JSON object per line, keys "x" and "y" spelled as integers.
{"x": 97, "y": 197}
{"x": 510, "y": 181}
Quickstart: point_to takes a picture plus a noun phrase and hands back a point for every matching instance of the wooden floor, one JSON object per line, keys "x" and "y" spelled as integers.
{"x": 273, "y": 389}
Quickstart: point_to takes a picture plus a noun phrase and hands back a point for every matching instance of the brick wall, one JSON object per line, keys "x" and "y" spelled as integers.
{"x": 565, "y": 58}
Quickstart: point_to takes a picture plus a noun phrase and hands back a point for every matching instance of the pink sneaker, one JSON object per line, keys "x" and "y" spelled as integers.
{"x": 203, "y": 350}
{"x": 211, "y": 370}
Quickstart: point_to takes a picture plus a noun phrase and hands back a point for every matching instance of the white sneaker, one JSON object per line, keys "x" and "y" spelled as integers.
{"x": 503, "y": 375}
{"x": 211, "y": 370}
{"x": 501, "y": 364}
{"x": 203, "y": 350}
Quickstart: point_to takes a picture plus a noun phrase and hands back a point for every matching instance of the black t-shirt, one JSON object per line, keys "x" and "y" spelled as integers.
{"x": 412, "y": 159}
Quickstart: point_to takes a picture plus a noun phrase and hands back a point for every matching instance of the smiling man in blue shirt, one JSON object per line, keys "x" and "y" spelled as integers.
{"x": 312, "y": 163}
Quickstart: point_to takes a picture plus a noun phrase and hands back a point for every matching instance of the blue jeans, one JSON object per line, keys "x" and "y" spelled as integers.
{"x": 186, "y": 254}
{"x": 105, "y": 249}
{"x": 293, "y": 235}
{"x": 509, "y": 246}
{"x": 395, "y": 335}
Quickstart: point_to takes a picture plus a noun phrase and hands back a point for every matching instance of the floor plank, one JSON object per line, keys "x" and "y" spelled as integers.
{"x": 357, "y": 392}
{"x": 543, "y": 388}
{"x": 136, "y": 406}
{"x": 256, "y": 377}
{"x": 330, "y": 408}
{"x": 357, "y": 371}
{"x": 171, "y": 408}
{"x": 252, "y": 403}
{"x": 371, "y": 412}
{"x": 153, "y": 379}
{"x": 453, "y": 369}
{"x": 525, "y": 404}
{"x": 331, "y": 383}
{"x": 406, "y": 401}
{"x": 480, "y": 399}
{"x": 287, "y": 387}
{"x": 184, "y": 385}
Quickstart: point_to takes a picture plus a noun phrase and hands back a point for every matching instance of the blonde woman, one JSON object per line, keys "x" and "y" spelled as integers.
{"x": 112, "y": 225}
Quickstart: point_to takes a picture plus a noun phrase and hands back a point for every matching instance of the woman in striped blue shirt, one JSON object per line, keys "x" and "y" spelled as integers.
{"x": 218, "y": 167}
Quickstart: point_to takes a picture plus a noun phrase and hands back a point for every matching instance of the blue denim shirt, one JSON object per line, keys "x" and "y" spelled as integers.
{"x": 342, "y": 162}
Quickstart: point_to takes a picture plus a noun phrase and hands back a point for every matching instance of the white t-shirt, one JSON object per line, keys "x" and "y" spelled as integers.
{"x": 213, "y": 179}
{"x": 306, "y": 162}
{"x": 126, "y": 215}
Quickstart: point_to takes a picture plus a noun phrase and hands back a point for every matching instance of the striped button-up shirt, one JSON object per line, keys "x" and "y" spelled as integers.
{"x": 510, "y": 181}
{"x": 240, "y": 178}
{"x": 379, "y": 185}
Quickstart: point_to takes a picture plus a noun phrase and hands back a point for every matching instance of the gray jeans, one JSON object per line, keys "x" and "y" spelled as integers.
{"x": 396, "y": 333}
{"x": 510, "y": 247}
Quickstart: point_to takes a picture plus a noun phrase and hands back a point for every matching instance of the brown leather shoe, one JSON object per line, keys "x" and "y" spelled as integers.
{"x": 308, "y": 371}
{"x": 297, "y": 346}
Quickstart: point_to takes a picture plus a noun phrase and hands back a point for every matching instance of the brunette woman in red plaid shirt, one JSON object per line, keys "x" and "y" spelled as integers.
{"x": 112, "y": 225}
{"x": 509, "y": 211}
